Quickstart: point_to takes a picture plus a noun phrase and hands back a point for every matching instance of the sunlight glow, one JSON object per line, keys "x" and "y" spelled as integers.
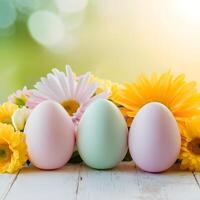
{"x": 189, "y": 10}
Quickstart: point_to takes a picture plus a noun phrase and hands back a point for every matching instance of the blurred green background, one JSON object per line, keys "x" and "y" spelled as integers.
{"x": 114, "y": 39}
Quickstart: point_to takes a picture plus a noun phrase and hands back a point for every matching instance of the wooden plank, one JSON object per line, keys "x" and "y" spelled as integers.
{"x": 118, "y": 183}
{"x": 6, "y": 181}
{"x": 33, "y": 183}
{"x": 197, "y": 178}
{"x": 126, "y": 182}
{"x": 173, "y": 184}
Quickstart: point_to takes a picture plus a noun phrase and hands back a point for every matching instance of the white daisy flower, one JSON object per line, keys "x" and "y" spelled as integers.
{"x": 73, "y": 93}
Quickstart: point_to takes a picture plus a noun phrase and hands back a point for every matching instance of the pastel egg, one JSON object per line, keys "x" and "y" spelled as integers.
{"x": 50, "y": 136}
{"x": 102, "y": 135}
{"x": 154, "y": 138}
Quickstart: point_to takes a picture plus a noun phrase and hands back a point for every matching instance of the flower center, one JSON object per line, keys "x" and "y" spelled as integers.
{"x": 71, "y": 106}
{"x": 194, "y": 146}
{"x": 5, "y": 153}
{"x": 20, "y": 101}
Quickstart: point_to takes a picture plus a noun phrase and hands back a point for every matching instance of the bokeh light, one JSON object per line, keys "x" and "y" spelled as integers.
{"x": 71, "y": 6}
{"x": 7, "y": 14}
{"x": 27, "y": 6}
{"x": 46, "y": 27}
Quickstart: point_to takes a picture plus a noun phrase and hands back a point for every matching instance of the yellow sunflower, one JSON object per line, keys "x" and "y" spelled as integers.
{"x": 181, "y": 97}
{"x": 13, "y": 151}
{"x": 6, "y": 111}
{"x": 190, "y": 148}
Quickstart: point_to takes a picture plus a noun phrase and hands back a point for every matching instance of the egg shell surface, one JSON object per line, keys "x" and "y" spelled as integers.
{"x": 102, "y": 135}
{"x": 50, "y": 136}
{"x": 154, "y": 138}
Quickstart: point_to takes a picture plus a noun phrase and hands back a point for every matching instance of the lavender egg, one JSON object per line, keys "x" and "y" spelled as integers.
{"x": 154, "y": 138}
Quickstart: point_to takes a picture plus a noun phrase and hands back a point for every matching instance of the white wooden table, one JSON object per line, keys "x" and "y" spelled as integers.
{"x": 76, "y": 181}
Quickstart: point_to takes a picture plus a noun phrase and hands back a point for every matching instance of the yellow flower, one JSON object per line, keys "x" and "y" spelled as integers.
{"x": 6, "y": 111}
{"x": 181, "y": 97}
{"x": 190, "y": 148}
{"x": 104, "y": 85}
{"x": 13, "y": 151}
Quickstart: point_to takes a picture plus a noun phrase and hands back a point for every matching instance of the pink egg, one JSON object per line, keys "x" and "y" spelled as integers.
{"x": 50, "y": 136}
{"x": 154, "y": 138}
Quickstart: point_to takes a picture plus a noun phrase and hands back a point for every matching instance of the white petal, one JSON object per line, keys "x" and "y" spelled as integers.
{"x": 43, "y": 90}
{"x": 89, "y": 92}
{"x": 50, "y": 84}
{"x": 42, "y": 96}
{"x": 56, "y": 86}
{"x": 63, "y": 81}
{"x": 82, "y": 85}
{"x": 37, "y": 99}
{"x": 71, "y": 81}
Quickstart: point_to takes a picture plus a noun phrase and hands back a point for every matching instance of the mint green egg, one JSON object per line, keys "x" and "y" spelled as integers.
{"x": 102, "y": 135}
